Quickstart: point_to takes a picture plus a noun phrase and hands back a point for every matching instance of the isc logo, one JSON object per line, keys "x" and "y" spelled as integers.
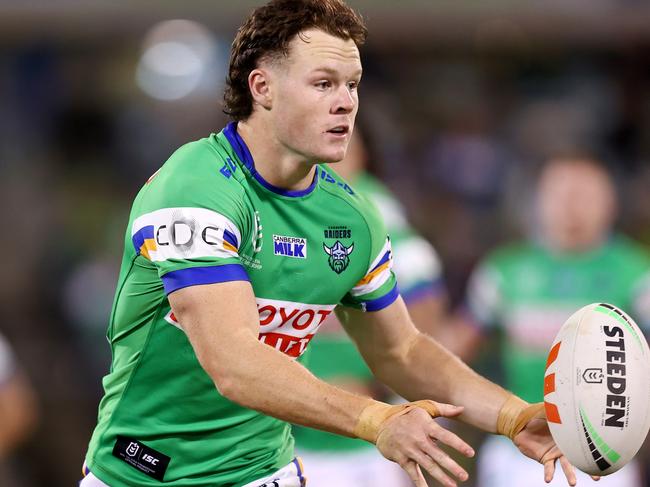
{"x": 150, "y": 459}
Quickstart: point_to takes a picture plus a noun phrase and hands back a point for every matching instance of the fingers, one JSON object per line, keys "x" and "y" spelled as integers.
{"x": 450, "y": 439}
{"x": 569, "y": 471}
{"x": 436, "y": 472}
{"x": 549, "y": 470}
{"x": 433, "y": 458}
{"x": 414, "y": 472}
{"x": 410, "y": 441}
{"x": 449, "y": 411}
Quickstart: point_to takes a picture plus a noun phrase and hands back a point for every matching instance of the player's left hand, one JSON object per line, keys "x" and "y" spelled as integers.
{"x": 535, "y": 441}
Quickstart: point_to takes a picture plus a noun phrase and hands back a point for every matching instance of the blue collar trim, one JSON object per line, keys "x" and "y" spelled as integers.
{"x": 244, "y": 155}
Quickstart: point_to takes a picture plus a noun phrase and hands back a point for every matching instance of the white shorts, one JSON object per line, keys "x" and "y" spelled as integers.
{"x": 290, "y": 475}
{"x": 357, "y": 468}
{"x": 501, "y": 464}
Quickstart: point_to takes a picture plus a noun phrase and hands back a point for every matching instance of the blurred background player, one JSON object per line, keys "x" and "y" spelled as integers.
{"x": 528, "y": 289}
{"x": 333, "y": 357}
{"x": 17, "y": 411}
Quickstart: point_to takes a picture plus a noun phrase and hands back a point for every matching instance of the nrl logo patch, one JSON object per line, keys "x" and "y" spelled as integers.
{"x": 338, "y": 253}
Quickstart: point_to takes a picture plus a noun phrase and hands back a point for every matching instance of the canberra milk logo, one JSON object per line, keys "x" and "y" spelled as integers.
{"x": 290, "y": 246}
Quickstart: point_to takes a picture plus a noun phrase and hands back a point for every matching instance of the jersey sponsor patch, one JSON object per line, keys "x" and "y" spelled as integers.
{"x": 184, "y": 233}
{"x": 284, "y": 325}
{"x": 295, "y": 247}
{"x": 289, "y": 326}
{"x": 141, "y": 457}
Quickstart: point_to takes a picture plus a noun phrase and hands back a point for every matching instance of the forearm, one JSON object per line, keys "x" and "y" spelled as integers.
{"x": 427, "y": 370}
{"x": 261, "y": 378}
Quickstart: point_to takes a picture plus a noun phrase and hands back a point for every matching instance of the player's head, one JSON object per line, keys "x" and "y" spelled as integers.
{"x": 577, "y": 203}
{"x": 295, "y": 66}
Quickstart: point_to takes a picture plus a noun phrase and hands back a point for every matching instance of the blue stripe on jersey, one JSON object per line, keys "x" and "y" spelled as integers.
{"x": 193, "y": 276}
{"x": 230, "y": 238}
{"x": 302, "y": 479}
{"x": 241, "y": 149}
{"x": 383, "y": 302}
{"x": 140, "y": 236}
{"x": 422, "y": 290}
{"x": 383, "y": 260}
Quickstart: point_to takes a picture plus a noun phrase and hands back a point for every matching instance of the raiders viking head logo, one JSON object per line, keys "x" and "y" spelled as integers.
{"x": 338, "y": 253}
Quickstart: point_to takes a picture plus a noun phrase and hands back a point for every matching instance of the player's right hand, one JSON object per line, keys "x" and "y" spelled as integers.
{"x": 410, "y": 439}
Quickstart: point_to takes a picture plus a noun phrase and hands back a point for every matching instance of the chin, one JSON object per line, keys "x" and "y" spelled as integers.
{"x": 334, "y": 155}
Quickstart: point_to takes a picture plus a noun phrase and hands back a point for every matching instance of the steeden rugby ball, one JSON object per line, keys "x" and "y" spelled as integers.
{"x": 597, "y": 389}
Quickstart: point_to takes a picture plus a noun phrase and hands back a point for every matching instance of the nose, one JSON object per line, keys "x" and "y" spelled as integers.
{"x": 346, "y": 101}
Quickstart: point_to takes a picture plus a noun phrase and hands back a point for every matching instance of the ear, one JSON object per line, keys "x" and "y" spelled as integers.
{"x": 260, "y": 87}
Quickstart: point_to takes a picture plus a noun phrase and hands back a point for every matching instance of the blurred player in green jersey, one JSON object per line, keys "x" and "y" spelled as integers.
{"x": 235, "y": 252}
{"x": 529, "y": 289}
{"x": 334, "y": 358}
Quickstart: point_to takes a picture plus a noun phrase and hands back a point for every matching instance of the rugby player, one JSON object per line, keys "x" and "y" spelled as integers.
{"x": 235, "y": 251}
{"x": 528, "y": 290}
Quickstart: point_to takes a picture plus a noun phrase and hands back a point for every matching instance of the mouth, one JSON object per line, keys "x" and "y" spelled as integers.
{"x": 339, "y": 130}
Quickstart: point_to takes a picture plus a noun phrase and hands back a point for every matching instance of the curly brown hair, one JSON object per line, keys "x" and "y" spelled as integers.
{"x": 267, "y": 32}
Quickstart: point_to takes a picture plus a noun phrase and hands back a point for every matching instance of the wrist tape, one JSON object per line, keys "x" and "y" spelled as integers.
{"x": 515, "y": 414}
{"x": 374, "y": 417}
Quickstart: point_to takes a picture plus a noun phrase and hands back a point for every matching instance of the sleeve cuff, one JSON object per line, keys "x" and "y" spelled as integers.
{"x": 194, "y": 276}
{"x": 382, "y": 302}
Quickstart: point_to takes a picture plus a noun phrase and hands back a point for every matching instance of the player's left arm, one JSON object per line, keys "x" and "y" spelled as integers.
{"x": 417, "y": 367}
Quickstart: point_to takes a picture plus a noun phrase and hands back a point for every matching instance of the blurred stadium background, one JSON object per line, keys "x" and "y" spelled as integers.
{"x": 461, "y": 100}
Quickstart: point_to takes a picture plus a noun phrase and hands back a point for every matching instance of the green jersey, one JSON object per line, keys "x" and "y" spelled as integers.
{"x": 529, "y": 292}
{"x": 419, "y": 274}
{"x": 207, "y": 216}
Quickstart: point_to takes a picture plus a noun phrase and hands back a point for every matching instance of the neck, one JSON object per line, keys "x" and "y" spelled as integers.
{"x": 276, "y": 163}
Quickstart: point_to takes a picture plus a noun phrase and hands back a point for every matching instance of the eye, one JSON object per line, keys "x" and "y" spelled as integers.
{"x": 323, "y": 84}
{"x": 353, "y": 85}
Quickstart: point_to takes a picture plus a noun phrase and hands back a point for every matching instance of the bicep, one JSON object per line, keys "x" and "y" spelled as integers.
{"x": 380, "y": 336}
{"x": 217, "y": 318}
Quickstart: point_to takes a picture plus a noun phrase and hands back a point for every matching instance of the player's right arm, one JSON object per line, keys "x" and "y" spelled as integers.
{"x": 222, "y": 324}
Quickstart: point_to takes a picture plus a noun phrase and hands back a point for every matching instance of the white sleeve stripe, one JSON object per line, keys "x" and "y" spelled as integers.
{"x": 380, "y": 255}
{"x": 373, "y": 285}
{"x": 185, "y": 233}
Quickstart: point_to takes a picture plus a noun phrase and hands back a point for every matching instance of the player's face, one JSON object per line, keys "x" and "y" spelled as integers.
{"x": 315, "y": 97}
{"x": 577, "y": 205}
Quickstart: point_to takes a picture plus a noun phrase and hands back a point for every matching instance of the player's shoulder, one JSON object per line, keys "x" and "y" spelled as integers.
{"x": 210, "y": 157}
{"x": 200, "y": 175}
{"x": 343, "y": 193}
{"x": 199, "y": 166}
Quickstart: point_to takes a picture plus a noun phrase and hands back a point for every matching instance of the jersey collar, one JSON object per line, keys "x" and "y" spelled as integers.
{"x": 244, "y": 155}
